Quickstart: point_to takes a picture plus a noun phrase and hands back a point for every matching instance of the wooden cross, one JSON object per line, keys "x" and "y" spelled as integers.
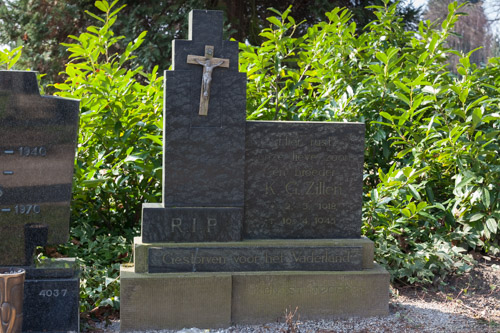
{"x": 209, "y": 63}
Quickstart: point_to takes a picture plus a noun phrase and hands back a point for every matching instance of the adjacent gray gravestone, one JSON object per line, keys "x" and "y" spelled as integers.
{"x": 38, "y": 137}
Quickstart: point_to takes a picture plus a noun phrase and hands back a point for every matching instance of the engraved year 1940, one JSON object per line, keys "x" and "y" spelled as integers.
{"x": 32, "y": 151}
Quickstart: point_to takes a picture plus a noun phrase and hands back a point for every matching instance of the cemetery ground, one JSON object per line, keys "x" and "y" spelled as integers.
{"x": 466, "y": 303}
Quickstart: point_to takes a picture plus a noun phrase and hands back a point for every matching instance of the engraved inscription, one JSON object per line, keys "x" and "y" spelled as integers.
{"x": 301, "y": 176}
{"x": 27, "y": 209}
{"x": 342, "y": 285}
{"x": 179, "y": 225}
{"x": 32, "y": 151}
{"x": 196, "y": 224}
{"x": 223, "y": 259}
{"x": 53, "y": 292}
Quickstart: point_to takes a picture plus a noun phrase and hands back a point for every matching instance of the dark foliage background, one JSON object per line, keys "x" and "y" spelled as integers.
{"x": 40, "y": 26}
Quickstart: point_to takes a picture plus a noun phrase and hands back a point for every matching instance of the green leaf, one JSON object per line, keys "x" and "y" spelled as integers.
{"x": 492, "y": 225}
{"x": 477, "y": 115}
{"x": 386, "y": 115}
{"x": 116, "y": 11}
{"x": 476, "y": 217}
{"x": 95, "y": 16}
{"x": 382, "y": 57}
{"x": 462, "y": 71}
{"x": 430, "y": 193}
{"x": 463, "y": 95}
{"x": 155, "y": 138}
{"x": 414, "y": 192}
{"x": 102, "y": 5}
{"x": 423, "y": 57}
{"x": 486, "y": 198}
{"x": 17, "y": 53}
{"x": 108, "y": 281}
{"x": 374, "y": 195}
{"x": 275, "y": 21}
{"x": 402, "y": 86}
{"x": 93, "y": 182}
{"x": 465, "y": 180}
{"x": 402, "y": 97}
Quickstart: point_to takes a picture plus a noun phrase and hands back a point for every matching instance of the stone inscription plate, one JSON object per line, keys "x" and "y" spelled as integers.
{"x": 38, "y": 138}
{"x": 303, "y": 179}
{"x": 190, "y": 224}
{"x": 242, "y": 259}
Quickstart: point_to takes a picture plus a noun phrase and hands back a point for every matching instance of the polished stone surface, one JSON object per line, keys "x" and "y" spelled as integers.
{"x": 303, "y": 179}
{"x": 245, "y": 259}
{"x": 38, "y": 138}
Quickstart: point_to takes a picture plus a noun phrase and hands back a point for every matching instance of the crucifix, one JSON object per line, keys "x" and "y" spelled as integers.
{"x": 209, "y": 63}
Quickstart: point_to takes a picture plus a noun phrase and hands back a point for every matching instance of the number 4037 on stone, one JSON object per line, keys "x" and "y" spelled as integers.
{"x": 53, "y": 292}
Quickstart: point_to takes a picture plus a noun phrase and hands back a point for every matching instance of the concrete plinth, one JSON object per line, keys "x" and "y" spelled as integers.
{"x": 217, "y": 300}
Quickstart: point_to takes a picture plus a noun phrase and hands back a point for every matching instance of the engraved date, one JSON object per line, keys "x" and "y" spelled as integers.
{"x": 27, "y": 209}
{"x": 32, "y": 151}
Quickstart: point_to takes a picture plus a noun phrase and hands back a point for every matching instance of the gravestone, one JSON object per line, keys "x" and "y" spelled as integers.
{"x": 38, "y": 138}
{"x": 257, "y": 216}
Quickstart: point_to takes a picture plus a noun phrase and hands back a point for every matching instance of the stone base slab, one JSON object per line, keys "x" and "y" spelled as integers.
{"x": 217, "y": 300}
{"x": 255, "y": 249}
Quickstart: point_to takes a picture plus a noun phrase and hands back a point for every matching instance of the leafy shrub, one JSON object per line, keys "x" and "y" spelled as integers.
{"x": 9, "y": 58}
{"x": 432, "y": 171}
{"x": 118, "y": 165}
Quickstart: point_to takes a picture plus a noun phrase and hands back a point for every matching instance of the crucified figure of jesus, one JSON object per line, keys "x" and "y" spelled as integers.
{"x": 209, "y": 63}
{"x": 208, "y": 68}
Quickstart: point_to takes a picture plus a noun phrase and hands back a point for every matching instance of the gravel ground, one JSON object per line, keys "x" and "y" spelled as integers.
{"x": 468, "y": 303}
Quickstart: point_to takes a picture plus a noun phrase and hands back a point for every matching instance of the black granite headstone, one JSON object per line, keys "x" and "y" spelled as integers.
{"x": 204, "y": 155}
{"x": 227, "y": 179}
